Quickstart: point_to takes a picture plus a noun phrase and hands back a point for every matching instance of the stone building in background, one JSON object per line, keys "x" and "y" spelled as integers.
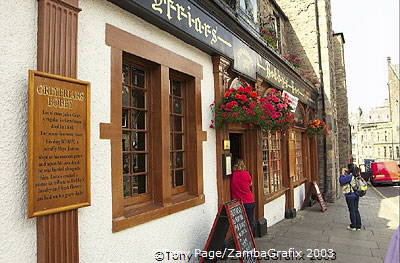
{"x": 310, "y": 37}
{"x": 375, "y": 134}
{"x": 394, "y": 102}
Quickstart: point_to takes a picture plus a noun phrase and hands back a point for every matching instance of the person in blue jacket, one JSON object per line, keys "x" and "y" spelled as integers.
{"x": 347, "y": 181}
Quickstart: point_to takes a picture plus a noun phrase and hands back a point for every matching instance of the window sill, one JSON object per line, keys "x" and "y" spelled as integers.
{"x": 273, "y": 196}
{"x": 143, "y": 214}
{"x": 295, "y": 184}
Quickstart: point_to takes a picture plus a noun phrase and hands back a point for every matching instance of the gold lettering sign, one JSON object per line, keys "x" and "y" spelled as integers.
{"x": 183, "y": 14}
{"x": 58, "y": 144}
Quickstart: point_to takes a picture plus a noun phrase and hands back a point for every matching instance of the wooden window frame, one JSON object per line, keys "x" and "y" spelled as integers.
{"x": 262, "y": 88}
{"x": 146, "y": 67}
{"x": 300, "y": 128}
{"x": 299, "y": 179}
{"x": 163, "y": 202}
{"x": 189, "y": 132}
{"x": 281, "y": 190}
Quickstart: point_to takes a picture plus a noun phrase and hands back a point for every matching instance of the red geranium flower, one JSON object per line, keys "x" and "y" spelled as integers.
{"x": 253, "y": 94}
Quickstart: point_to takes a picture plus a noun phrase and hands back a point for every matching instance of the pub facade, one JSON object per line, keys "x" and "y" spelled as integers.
{"x": 158, "y": 171}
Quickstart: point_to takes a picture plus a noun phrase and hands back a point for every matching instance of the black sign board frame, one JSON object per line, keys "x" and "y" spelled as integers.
{"x": 198, "y": 26}
{"x": 231, "y": 216}
{"x": 313, "y": 188}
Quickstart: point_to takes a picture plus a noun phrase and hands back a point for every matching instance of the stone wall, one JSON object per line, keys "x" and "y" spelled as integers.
{"x": 302, "y": 35}
{"x": 342, "y": 100}
{"x": 301, "y": 32}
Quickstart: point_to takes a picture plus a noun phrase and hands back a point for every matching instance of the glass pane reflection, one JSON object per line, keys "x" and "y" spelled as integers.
{"x": 125, "y": 96}
{"x": 177, "y": 106}
{"x": 178, "y": 177}
{"x": 138, "y": 77}
{"x": 138, "y": 98}
{"x": 138, "y": 120}
{"x": 139, "y": 162}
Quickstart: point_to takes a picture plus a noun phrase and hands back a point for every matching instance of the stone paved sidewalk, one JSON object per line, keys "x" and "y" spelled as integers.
{"x": 312, "y": 229}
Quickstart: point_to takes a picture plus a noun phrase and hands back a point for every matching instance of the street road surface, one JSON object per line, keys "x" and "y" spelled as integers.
{"x": 392, "y": 193}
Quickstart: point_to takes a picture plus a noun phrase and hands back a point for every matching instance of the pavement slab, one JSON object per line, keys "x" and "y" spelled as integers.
{"x": 314, "y": 230}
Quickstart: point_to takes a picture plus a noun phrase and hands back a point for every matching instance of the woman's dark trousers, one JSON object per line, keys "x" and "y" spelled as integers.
{"x": 249, "y": 207}
{"x": 355, "y": 218}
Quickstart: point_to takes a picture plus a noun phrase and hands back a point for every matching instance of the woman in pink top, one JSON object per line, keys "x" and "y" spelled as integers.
{"x": 241, "y": 189}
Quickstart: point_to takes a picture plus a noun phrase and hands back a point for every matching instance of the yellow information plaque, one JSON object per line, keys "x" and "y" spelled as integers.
{"x": 58, "y": 144}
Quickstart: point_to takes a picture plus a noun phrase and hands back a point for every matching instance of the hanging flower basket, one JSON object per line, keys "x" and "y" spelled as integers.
{"x": 316, "y": 127}
{"x": 243, "y": 105}
{"x": 276, "y": 111}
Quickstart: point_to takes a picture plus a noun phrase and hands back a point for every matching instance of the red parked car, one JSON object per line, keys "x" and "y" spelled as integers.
{"x": 387, "y": 172}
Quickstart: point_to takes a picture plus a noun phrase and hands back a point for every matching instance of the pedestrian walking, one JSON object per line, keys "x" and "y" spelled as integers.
{"x": 347, "y": 181}
{"x": 241, "y": 189}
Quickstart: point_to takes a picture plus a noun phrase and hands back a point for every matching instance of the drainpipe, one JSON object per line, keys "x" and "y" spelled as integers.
{"x": 322, "y": 93}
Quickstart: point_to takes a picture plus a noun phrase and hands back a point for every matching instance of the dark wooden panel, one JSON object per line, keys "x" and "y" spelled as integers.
{"x": 57, "y": 234}
{"x": 57, "y": 237}
{"x": 221, "y": 79}
{"x": 57, "y": 38}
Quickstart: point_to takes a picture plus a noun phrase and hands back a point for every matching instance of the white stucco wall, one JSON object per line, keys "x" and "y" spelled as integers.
{"x": 299, "y": 195}
{"x": 274, "y": 211}
{"x": 18, "y": 23}
{"x": 182, "y": 231}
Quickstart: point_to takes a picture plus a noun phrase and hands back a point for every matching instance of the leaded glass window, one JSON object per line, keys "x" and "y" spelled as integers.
{"x": 271, "y": 152}
{"x": 299, "y": 173}
{"x": 177, "y": 104}
{"x": 134, "y": 131}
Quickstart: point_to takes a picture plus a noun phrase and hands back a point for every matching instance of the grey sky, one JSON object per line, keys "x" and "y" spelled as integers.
{"x": 371, "y": 31}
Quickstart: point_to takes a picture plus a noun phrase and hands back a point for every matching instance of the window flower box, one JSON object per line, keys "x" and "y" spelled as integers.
{"x": 270, "y": 36}
{"x": 293, "y": 60}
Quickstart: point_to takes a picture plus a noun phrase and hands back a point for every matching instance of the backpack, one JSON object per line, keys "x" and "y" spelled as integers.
{"x": 360, "y": 186}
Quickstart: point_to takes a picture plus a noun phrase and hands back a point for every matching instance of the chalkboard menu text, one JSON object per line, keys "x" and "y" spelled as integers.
{"x": 231, "y": 216}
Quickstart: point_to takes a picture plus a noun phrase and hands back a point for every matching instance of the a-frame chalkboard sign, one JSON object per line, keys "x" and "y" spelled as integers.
{"x": 231, "y": 216}
{"x": 314, "y": 189}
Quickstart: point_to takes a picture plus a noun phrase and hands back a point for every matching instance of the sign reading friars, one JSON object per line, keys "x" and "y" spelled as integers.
{"x": 58, "y": 144}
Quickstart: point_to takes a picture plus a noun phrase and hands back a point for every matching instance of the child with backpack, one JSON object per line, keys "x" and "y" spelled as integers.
{"x": 348, "y": 182}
